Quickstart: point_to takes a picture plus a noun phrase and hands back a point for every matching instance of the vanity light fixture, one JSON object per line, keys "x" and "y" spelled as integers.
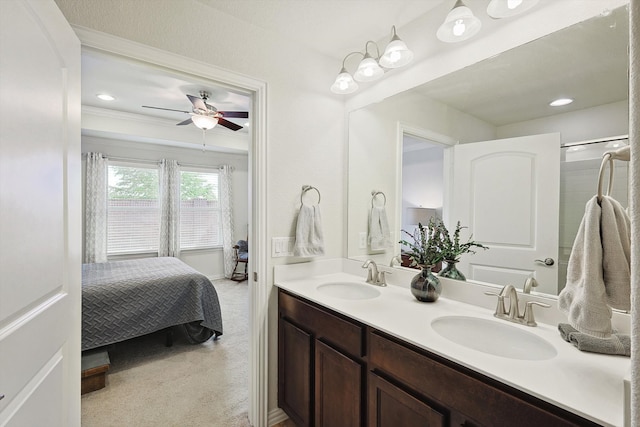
{"x": 459, "y": 25}
{"x": 395, "y": 55}
{"x": 105, "y": 97}
{"x": 560, "y": 102}
{"x": 204, "y": 122}
{"x": 368, "y": 69}
{"x": 506, "y": 8}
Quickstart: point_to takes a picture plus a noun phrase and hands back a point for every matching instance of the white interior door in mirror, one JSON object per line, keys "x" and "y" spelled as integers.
{"x": 507, "y": 192}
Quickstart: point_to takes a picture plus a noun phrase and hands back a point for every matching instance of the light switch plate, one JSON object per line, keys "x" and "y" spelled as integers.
{"x": 282, "y": 246}
{"x": 362, "y": 240}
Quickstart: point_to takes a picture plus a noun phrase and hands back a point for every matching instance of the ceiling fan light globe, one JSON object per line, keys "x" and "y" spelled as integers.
{"x": 460, "y": 24}
{"x": 396, "y": 54}
{"x": 204, "y": 122}
{"x": 368, "y": 70}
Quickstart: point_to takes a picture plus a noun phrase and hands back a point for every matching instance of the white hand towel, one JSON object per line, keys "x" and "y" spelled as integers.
{"x": 598, "y": 269}
{"x": 379, "y": 234}
{"x": 309, "y": 238}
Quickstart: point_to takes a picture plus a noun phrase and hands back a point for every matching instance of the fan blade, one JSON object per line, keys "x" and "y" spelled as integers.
{"x": 198, "y": 103}
{"x": 186, "y": 122}
{"x": 228, "y": 124}
{"x": 166, "y": 109}
{"x": 211, "y": 108}
{"x": 238, "y": 114}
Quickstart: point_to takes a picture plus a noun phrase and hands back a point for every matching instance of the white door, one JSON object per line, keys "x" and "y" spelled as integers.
{"x": 507, "y": 193}
{"x": 40, "y": 216}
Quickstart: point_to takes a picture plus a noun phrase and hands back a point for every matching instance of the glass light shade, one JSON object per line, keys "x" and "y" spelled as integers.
{"x": 204, "y": 122}
{"x": 506, "y": 8}
{"x": 396, "y": 54}
{"x": 460, "y": 24}
{"x": 344, "y": 83}
{"x": 368, "y": 70}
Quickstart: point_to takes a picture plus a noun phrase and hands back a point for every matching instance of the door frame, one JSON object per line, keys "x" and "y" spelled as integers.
{"x": 427, "y": 134}
{"x": 258, "y": 295}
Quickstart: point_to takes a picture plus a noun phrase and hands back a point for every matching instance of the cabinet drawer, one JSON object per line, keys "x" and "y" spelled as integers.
{"x": 479, "y": 399}
{"x": 328, "y": 327}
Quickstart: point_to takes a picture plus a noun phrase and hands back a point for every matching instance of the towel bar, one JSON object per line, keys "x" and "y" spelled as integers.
{"x": 306, "y": 188}
{"x": 624, "y": 154}
{"x": 375, "y": 193}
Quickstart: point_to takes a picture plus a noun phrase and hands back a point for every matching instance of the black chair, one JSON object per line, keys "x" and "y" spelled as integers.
{"x": 241, "y": 255}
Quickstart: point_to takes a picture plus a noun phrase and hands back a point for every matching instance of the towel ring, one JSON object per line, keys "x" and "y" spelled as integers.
{"x": 624, "y": 154}
{"x": 375, "y": 193}
{"x": 306, "y": 188}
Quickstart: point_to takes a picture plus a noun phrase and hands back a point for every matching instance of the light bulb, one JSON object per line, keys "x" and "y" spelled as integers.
{"x": 512, "y": 4}
{"x": 459, "y": 28}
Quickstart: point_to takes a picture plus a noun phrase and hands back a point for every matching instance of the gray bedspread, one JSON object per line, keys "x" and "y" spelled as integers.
{"x": 127, "y": 299}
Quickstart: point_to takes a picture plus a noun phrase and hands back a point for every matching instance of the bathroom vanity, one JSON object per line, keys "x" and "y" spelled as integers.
{"x": 374, "y": 359}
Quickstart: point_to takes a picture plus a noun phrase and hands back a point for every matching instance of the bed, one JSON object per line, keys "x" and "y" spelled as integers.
{"x": 131, "y": 298}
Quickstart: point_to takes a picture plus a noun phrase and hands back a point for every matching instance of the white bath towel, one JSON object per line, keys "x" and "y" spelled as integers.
{"x": 309, "y": 238}
{"x": 379, "y": 234}
{"x": 598, "y": 273}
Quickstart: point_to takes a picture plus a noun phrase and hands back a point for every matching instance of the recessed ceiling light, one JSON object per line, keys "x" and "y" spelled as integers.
{"x": 247, "y": 124}
{"x": 561, "y": 101}
{"x": 105, "y": 97}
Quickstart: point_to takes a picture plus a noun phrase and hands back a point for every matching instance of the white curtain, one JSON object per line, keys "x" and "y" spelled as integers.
{"x": 226, "y": 208}
{"x": 169, "y": 209}
{"x": 95, "y": 209}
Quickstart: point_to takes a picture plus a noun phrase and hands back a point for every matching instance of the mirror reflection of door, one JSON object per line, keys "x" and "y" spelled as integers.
{"x": 507, "y": 193}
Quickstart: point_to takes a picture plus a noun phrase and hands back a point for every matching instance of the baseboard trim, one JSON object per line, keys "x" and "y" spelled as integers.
{"x": 276, "y": 416}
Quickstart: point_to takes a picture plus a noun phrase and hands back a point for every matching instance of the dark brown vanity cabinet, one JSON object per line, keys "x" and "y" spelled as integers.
{"x": 333, "y": 372}
{"x": 449, "y": 394}
{"x": 320, "y": 367}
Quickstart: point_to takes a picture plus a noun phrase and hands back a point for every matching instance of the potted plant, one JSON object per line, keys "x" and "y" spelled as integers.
{"x": 452, "y": 249}
{"x": 425, "y": 245}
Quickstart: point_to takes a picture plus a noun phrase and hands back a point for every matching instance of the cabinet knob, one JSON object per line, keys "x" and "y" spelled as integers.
{"x": 1, "y": 396}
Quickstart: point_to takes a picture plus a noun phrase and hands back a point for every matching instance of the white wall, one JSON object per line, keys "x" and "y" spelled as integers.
{"x": 209, "y": 262}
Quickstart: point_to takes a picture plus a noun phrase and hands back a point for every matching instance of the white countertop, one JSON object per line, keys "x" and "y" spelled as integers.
{"x": 588, "y": 384}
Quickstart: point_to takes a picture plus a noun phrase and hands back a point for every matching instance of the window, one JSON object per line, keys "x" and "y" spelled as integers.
{"x": 133, "y": 210}
{"x": 199, "y": 210}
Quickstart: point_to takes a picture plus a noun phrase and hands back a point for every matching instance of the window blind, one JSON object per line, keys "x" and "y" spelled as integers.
{"x": 200, "y": 219}
{"x": 133, "y": 211}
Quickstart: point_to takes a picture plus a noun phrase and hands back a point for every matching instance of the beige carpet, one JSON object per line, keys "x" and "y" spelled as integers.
{"x": 185, "y": 385}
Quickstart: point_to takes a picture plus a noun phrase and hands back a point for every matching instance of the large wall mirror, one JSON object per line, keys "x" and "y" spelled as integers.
{"x": 406, "y": 153}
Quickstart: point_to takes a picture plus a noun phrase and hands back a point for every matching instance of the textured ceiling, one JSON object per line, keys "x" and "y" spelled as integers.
{"x": 587, "y": 63}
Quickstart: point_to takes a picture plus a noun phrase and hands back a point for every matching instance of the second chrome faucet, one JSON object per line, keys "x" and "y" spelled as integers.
{"x": 513, "y": 314}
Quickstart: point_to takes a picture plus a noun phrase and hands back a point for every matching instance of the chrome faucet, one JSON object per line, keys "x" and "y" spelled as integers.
{"x": 395, "y": 260}
{"x": 374, "y": 276}
{"x": 513, "y": 315}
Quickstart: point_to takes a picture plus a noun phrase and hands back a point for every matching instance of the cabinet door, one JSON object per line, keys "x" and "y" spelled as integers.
{"x": 338, "y": 389}
{"x": 294, "y": 373}
{"x": 390, "y": 406}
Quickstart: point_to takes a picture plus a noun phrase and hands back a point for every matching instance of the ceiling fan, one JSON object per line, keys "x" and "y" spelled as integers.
{"x": 206, "y": 116}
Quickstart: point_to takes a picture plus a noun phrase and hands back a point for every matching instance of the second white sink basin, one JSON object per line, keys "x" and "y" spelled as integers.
{"x": 348, "y": 290}
{"x": 494, "y": 337}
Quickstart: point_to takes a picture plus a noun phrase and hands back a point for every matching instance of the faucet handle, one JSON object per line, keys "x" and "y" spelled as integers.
{"x": 500, "y": 310}
{"x": 528, "y": 317}
{"x": 382, "y": 277}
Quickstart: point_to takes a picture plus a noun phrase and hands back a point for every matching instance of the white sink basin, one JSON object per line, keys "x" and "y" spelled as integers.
{"x": 348, "y": 290}
{"x": 495, "y": 337}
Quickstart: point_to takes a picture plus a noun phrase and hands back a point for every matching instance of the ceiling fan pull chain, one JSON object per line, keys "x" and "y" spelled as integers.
{"x": 203, "y": 141}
